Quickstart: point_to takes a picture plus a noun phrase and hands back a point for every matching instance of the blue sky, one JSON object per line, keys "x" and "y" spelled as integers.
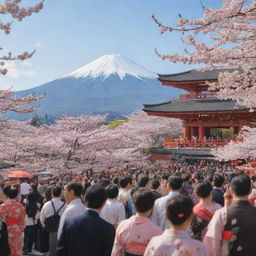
{"x": 68, "y": 34}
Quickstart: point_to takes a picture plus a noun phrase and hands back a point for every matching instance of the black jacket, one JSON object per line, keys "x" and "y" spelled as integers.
{"x": 218, "y": 196}
{"x": 86, "y": 235}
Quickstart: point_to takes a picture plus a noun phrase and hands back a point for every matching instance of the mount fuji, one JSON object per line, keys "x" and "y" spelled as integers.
{"x": 110, "y": 84}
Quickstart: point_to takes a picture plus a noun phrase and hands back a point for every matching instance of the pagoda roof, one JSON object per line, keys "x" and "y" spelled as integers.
{"x": 192, "y": 75}
{"x": 194, "y": 105}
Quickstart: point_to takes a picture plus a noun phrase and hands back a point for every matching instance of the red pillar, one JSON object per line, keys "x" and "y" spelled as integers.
{"x": 201, "y": 133}
{"x": 236, "y": 130}
{"x": 192, "y": 132}
{"x": 186, "y": 134}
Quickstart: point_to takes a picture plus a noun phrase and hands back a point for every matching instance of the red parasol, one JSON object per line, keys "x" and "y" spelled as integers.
{"x": 20, "y": 174}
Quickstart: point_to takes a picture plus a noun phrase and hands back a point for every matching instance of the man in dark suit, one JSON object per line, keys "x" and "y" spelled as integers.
{"x": 88, "y": 234}
{"x": 218, "y": 192}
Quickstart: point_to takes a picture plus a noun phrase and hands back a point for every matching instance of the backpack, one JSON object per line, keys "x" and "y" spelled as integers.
{"x": 52, "y": 223}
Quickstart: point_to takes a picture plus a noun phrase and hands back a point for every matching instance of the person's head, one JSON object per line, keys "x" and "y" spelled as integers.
{"x": 11, "y": 191}
{"x": 34, "y": 186}
{"x": 240, "y": 185}
{"x": 175, "y": 182}
{"x": 186, "y": 177}
{"x": 124, "y": 182}
{"x": 204, "y": 189}
{"x": 143, "y": 200}
{"x": 179, "y": 209}
{"x": 95, "y": 197}
{"x": 56, "y": 191}
{"x": 142, "y": 181}
{"x": 112, "y": 191}
{"x": 104, "y": 182}
{"x": 155, "y": 184}
{"x": 198, "y": 177}
{"x": 72, "y": 190}
{"x": 218, "y": 180}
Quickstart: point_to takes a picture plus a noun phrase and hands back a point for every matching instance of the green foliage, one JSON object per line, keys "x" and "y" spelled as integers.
{"x": 114, "y": 124}
{"x": 224, "y": 133}
{"x": 36, "y": 121}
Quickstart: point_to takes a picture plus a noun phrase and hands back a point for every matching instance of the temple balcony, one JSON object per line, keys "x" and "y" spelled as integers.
{"x": 190, "y": 96}
{"x": 188, "y": 143}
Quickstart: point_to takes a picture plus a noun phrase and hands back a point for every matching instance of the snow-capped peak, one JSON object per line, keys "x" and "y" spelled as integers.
{"x": 111, "y": 64}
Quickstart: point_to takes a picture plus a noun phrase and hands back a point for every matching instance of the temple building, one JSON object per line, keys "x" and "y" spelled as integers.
{"x": 205, "y": 116}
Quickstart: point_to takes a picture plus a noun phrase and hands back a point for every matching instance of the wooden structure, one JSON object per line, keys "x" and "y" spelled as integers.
{"x": 200, "y": 110}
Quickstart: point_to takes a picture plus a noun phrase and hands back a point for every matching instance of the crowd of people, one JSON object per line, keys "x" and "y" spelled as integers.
{"x": 204, "y": 208}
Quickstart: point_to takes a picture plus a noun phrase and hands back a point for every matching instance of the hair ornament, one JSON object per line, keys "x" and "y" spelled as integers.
{"x": 181, "y": 215}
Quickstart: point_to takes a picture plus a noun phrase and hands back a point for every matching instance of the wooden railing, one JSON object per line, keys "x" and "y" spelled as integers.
{"x": 173, "y": 143}
{"x": 196, "y": 96}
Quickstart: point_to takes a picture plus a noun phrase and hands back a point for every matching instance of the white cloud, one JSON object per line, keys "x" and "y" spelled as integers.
{"x": 38, "y": 44}
{"x": 16, "y": 71}
{"x": 26, "y": 63}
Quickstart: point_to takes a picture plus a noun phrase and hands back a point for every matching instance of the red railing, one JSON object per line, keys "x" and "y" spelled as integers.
{"x": 173, "y": 143}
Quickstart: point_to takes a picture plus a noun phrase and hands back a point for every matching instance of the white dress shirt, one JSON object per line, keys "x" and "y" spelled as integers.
{"x": 113, "y": 212}
{"x": 74, "y": 208}
{"x": 159, "y": 212}
{"x": 24, "y": 188}
{"x": 48, "y": 211}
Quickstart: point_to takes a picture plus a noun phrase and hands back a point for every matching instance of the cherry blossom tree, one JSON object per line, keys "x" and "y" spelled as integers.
{"x": 140, "y": 132}
{"x": 79, "y": 143}
{"x": 232, "y": 33}
{"x": 243, "y": 148}
{"x": 14, "y": 10}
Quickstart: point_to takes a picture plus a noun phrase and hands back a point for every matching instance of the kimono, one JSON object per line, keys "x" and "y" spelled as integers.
{"x": 133, "y": 235}
{"x": 175, "y": 243}
{"x": 13, "y": 214}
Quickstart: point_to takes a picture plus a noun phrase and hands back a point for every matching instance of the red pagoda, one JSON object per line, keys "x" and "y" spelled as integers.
{"x": 200, "y": 110}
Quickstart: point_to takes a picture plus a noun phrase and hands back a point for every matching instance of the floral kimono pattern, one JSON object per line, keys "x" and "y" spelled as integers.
{"x": 13, "y": 214}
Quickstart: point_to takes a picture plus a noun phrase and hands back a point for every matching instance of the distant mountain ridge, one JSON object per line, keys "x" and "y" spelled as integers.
{"x": 111, "y": 83}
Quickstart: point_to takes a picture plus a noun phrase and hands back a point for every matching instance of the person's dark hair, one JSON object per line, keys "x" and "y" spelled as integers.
{"x": 142, "y": 181}
{"x": 115, "y": 180}
{"x": 232, "y": 175}
{"x": 104, "y": 182}
{"x": 112, "y": 191}
{"x": 48, "y": 195}
{"x": 218, "y": 180}
{"x": 87, "y": 184}
{"x": 203, "y": 189}
{"x": 11, "y": 191}
{"x": 130, "y": 180}
{"x": 124, "y": 181}
{"x": 95, "y": 196}
{"x": 199, "y": 176}
{"x": 186, "y": 177}
{"x": 178, "y": 209}
{"x": 198, "y": 225}
{"x": 175, "y": 181}
{"x": 76, "y": 187}
{"x": 155, "y": 184}
{"x": 241, "y": 184}
{"x": 34, "y": 186}
{"x": 31, "y": 197}
{"x": 56, "y": 191}
{"x": 143, "y": 200}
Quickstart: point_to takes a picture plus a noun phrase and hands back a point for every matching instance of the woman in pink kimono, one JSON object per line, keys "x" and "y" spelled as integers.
{"x": 204, "y": 210}
{"x": 13, "y": 214}
{"x": 176, "y": 241}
